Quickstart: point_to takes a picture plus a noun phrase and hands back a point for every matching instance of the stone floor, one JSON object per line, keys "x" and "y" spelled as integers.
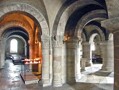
{"x": 94, "y": 74}
{"x": 10, "y": 80}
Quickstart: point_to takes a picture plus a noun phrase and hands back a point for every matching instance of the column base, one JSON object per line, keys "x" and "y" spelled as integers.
{"x": 109, "y": 69}
{"x": 64, "y": 80}
{"x": 78, "y": 77}
{"x": 46, "y": 83}
{"x": 71, "y": 80}
{"x": 56, "y": 84}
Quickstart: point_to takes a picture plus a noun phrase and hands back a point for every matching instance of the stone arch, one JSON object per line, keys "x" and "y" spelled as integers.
{"x": 110, "y": 36}
{"x": 59, "y": 28}
{"x": 64, "y": 14}
{"x": 5, "y": 35}
{"x": 92, "y": 37}
{"x": 10, "y": 25}
{"x": 14, "y": 24}
{"x": 86, "y": 19}
{"x": 94, "y": 47}
{"x": 22, "y": 7}
{"x": 29, "y": 9}
{"x": 91, "y": 16}
{"x": 98, "y": 31}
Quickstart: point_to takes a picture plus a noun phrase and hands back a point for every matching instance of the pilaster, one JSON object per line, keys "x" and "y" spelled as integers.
{"x": 107, "y": 52}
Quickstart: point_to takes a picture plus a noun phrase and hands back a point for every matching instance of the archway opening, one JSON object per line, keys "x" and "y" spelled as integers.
{"x": 24, "y": 25}
{"x": 13, "y": 46}
{"x": 95, "y": 52}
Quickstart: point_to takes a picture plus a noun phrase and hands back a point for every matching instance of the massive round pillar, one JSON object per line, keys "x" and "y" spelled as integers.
{"x": 107, "y": 53}
{"x": 73, "y": 61}
{"x": 45, "y": 63}
{"x": 57, "y": 63}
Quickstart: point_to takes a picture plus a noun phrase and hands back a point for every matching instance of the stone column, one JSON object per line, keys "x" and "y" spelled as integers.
{"x": 103, "y": 48}
{"x": 64, "y": 53}
{"x": 86, "y": 54}
{"x": 83, "y": 64}
{"x": 57, "y": 63}
{"x": 107, "y": 53}
{"x": 72, "y": 61}
{"x": 45, "y": 63}
{"x": 112, "y": 25}
{"x": 110, "y": 56}
{"x": 116, "y": 60}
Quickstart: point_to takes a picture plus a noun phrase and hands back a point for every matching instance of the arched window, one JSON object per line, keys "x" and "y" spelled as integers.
{"x": 13, "y": 46}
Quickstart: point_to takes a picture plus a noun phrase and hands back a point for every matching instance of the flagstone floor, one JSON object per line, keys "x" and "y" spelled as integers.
{"x": 92, "y": 79}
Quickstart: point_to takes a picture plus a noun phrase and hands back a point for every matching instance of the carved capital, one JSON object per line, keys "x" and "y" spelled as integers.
{"x": 73, "y": 43}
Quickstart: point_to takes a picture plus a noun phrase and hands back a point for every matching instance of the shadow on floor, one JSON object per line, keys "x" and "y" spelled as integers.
{"x": 90, "y": 86}
{"x": 101, "y": 73}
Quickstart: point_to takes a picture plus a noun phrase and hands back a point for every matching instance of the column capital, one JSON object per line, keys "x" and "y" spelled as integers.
{"x": 73, "y": 42}
{"x": 111, "y": 24}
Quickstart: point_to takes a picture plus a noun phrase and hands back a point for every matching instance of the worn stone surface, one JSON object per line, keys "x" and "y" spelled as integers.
{"x": 10, "y": 80}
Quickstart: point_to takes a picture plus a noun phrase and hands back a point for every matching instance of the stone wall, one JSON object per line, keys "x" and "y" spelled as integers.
{"x": 112, "y": 8}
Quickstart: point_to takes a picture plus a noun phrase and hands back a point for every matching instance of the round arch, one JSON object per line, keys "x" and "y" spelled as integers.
{"x": 92, "y": 37}
{"x": 97, "y": 30}
{"x": 14, "y": 24}
{"x": 30, "y": 10}
{"x": 64, "y": 14}
{"x": 91, "y": 16}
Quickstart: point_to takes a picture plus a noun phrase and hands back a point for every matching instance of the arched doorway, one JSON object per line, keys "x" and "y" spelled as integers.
{"x": 95, "y": 52}
{"x": 21, "y": 24}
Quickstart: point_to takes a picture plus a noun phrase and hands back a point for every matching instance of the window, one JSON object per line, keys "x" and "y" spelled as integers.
{"x": 13, "y": 46}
